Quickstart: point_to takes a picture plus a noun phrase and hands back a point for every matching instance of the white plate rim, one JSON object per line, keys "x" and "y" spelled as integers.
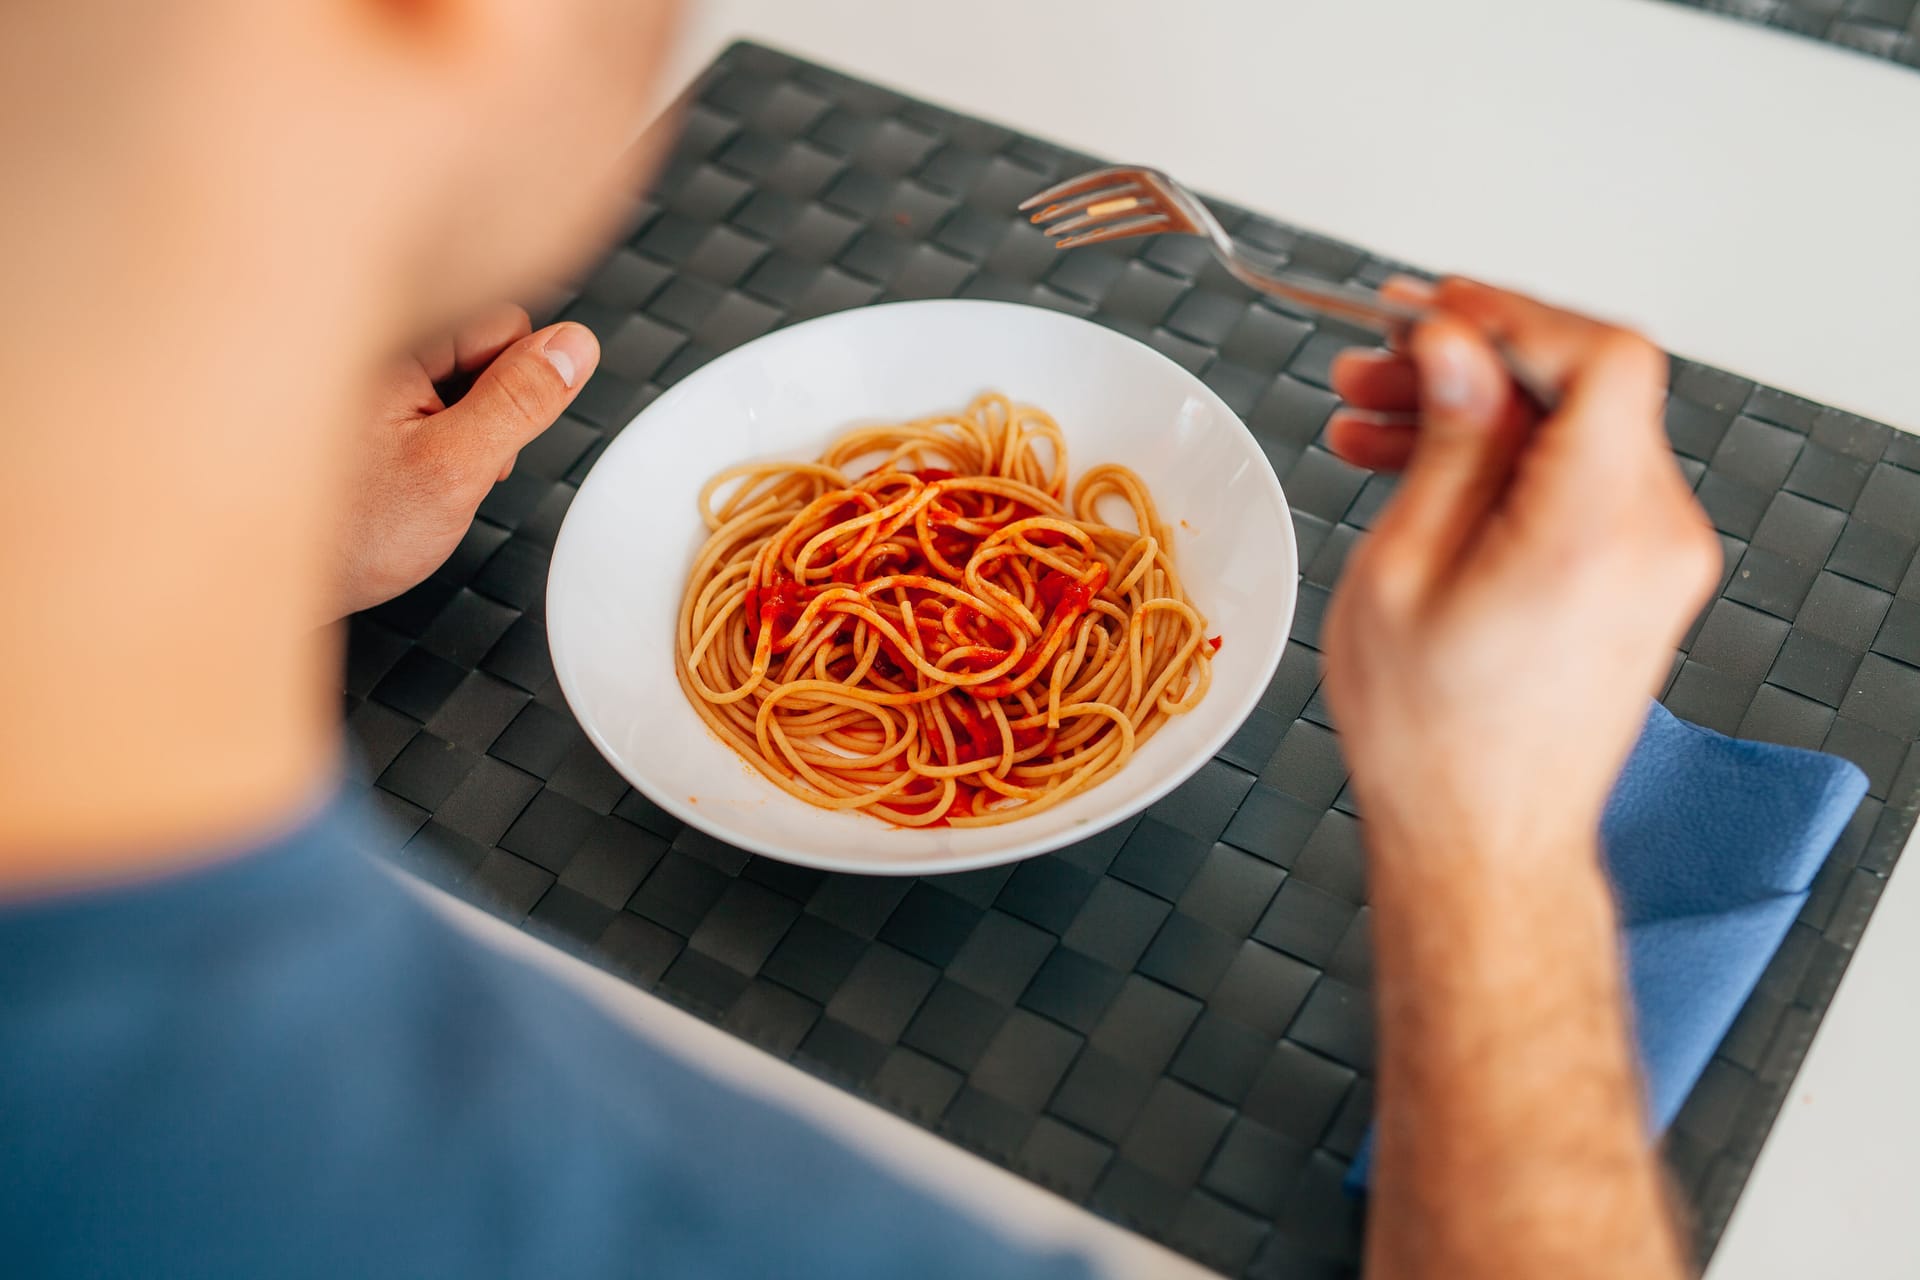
{"x": 1136, "y": 801}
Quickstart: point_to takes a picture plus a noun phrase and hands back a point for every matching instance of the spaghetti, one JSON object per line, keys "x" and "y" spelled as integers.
{"x": 922, "y": 626}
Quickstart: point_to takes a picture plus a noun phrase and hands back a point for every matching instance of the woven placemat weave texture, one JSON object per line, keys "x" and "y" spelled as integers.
{"x": 1887, "y": 29}
{"x": 1168, "y": 1022}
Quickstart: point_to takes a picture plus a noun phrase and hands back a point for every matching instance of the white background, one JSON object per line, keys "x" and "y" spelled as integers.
{"x": 1749, "y": 198}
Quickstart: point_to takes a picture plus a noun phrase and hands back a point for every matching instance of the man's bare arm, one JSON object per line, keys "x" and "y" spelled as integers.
{"x": 1510, "y": 1140}
{"x": 1489, "y": 658}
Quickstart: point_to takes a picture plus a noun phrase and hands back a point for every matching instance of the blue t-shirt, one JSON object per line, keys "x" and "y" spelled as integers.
{"x": 283, "y": 1064}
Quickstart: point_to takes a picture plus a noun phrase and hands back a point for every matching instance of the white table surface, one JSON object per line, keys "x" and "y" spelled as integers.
{"x": 1750, "y": 199}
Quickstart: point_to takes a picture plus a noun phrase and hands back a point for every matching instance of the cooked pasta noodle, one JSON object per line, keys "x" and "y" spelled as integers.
{"x": 921, "y": 624}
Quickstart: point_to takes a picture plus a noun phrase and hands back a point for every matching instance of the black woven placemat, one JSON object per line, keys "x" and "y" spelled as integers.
{"x": 1168, "y": 1022}
{"x": 1887, "y": 29}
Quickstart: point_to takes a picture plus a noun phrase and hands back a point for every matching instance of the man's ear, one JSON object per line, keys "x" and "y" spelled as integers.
{"x": 441, "y": 30}
{"x": 411, "y": 15}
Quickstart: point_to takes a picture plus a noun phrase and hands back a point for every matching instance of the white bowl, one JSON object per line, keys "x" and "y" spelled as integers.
{"x": 620, "y": 564}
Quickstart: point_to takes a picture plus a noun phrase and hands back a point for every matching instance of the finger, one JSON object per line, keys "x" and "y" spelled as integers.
{"x": 1412, "y": 291}
{"x": 1549, "y": 342}
{"x": 1408, "y": 291}
{"x": 518, "y": 396}
{"x": 1589, "y": 458}
{"x": 1599, "y": 490}
{"x": 1375, "y": 441}
{"x": 1380, "y": 381}
{"x": 436, "y": 357}
{"x": 473, "y": 342}
{"x": 487, "y": 334}
{"x": 1461, "y": 455}
{"x": 402, "y": 392}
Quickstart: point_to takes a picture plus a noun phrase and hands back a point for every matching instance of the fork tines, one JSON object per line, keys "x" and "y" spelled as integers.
{"x": 1106, "y": 204}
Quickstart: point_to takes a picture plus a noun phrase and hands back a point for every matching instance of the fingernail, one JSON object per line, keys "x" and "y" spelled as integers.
{"x": 1409, "y": 289}
{"x": 572, "y": 351}
{"x": 1448, "y": 370}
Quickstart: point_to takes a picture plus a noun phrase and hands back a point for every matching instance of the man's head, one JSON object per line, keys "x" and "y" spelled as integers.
{"x": 434, "y": 154}
{"x": 223, "y": 221}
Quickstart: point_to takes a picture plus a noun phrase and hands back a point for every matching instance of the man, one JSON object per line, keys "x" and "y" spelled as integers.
{"x": 229, "y": 1046}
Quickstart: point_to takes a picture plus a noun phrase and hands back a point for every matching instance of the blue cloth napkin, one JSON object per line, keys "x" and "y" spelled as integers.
{"x": 1712, "y": 844}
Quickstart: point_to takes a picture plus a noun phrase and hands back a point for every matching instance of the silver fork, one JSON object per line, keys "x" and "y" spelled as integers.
{"x": 1124, "y": 201}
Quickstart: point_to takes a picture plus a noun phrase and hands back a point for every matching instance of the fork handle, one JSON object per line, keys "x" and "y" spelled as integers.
{"x": 1391, "y": 320}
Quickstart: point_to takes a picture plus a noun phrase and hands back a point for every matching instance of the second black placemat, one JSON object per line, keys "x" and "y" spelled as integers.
{"x": 1168, "y": 1022}
{"x": 1887, "y": 29}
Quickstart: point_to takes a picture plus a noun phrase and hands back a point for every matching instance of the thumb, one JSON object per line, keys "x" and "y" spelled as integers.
{"x": 1464, "y": 449}
{"x": 520, "y": 394}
